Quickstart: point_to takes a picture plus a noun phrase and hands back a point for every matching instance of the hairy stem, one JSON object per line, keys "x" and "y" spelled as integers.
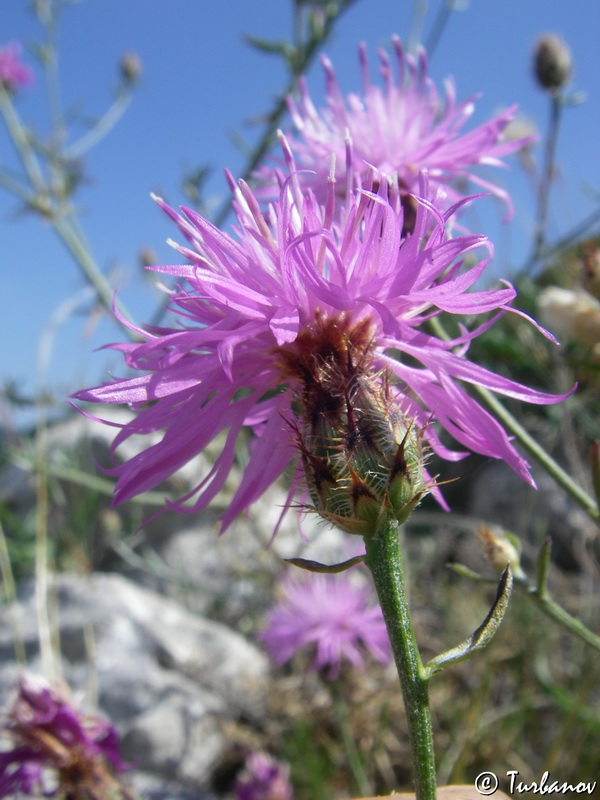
{"x": 384, "y": 560}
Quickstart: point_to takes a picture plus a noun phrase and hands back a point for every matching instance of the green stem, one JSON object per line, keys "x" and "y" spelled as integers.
{"x": 102, "y": 127}
{"x": 503, "y": 415}
{"x": 548, "y": 176}
{"x": 558, "y": 614}
{"x": 384, "y": 560}
{"x": 94, "y": 277}
{"x": 306, "y": 52}
{"x": 545, "y": 460}
{"x": 20, "y": 138}
{"x": 355, "y": 763}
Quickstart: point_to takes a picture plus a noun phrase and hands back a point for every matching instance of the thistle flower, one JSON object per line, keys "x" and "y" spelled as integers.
{"x": 282, "y": 325}
{"x": 14, "y": 74}
{"x": 56, "y": 750}
{"x": 331, "y": 616}
{"x": 400, "y": 129}
{"x": 263, "y": 778}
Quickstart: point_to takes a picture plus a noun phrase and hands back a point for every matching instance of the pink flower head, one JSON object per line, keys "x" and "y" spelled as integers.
{"x": 56, "y": 747}
{"x": 330, "y": 615}
{"x": 14, "y": 74}
{"x": 263, "y": 778}
{"x": 291, "y": 293}
{"x": 400, "y": 128}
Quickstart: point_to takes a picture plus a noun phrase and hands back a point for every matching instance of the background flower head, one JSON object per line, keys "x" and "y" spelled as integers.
{"x": 401, "y": 128}
{"x": 55, "y": 747}
{"x": 14, "y": 74}
{"x": 330, "y": 617}
{"x": 292, "y": 296}
{"x": 263, "y": 778}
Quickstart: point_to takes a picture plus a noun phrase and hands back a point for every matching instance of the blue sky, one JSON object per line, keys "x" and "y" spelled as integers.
{"x": 200, "y": 85}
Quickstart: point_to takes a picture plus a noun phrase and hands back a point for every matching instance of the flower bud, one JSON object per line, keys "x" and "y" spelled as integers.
{"x": 552, "y": 63}
{"x": 501, "y": 549}
{"x": 363, "y": 465}
{"x": 574, "y": 315}
{"x": 130, "y": 68}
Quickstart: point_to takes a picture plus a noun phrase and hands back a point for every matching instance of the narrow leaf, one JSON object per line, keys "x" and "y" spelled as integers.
{"x": 481, "y": 637}
{"x": 266, "y": 46}
{"x": 331, "y": 569}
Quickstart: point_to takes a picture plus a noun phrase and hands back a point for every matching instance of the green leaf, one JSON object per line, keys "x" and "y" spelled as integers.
{"x": 481, "y": 637}
{"x": 265, "y": 46}
{"x": 330, "y": 569}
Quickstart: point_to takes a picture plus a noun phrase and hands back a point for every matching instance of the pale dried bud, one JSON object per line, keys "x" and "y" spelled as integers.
{"x": 499, "y": 549}
{"x": 573, "y": 315}
{"x": 552, "y": 62}
{"x": 147, "y": 256}
{"x": 130, "y": 68}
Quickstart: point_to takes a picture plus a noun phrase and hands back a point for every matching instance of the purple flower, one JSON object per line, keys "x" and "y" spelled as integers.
{"x": 330, "y": 615}
{"x": 263, "y": 778}
{"x": 56, "y": 748}
{"x": 401, "y": 129}
{"x": 293, "y": 296}
{"x": 14, "y": 74}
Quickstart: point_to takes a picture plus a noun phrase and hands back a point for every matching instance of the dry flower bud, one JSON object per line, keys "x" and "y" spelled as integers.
{"x": 552, "y": 62}
{"x": 499, "y": 549}
{"x": 130, "y": 68}
{"x": 574, "y": 315}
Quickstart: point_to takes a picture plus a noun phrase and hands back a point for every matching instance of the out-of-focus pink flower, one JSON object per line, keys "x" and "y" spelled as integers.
{"x": 295, "y": 297}
{"x": 400, "y": 128}
{"x": 56, "y": 748}
{"x": 330, "y": 615}
{"x": 263, "y": 778}
{"x": 14, "y": 74}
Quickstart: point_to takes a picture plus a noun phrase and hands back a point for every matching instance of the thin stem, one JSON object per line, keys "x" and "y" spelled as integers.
{"x": 305, "y": 53}
{"x": 538, "y": 594}
{"x": 548, "y": 175}
{"x": 560, "y": 245}
{"x": 579, "y": 495}
{"x": 41, "y": 554}
{"x": 384, "y": 560}
{"x": 439, "y": 25}
{"x": 20, "y": 139}
{"x": 417, "y": 22}
{"x": 355, "y": 762}
{"x": 558, "y": 614}
{"x": 553, "y": 469}
{"x": 102, "y": 127}
{"x": 82, "y": 256}
{"x": 10, "y": 594}
{"x": 41, "y": 200}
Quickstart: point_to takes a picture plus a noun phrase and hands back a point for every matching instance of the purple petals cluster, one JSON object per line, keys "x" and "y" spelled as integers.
{"x": 263, "y": 778}
{"x": 401, "y": 128}
{"x": 54, "y": 748}
{"x": 244, "y": 302}
{"x": 330, "y": 617}
{"x": 14, "y": 74}
{"x": 344, "y": 272}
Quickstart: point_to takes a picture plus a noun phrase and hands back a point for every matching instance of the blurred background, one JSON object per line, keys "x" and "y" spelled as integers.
{"x": 200, "y": 104}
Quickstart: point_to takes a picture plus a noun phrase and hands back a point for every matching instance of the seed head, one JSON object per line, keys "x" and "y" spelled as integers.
{"x": 552, "y": 62}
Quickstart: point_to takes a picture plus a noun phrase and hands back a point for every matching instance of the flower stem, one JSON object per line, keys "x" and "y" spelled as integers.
{"x": 384, "y": 560}
{"x": 355, "y": 762}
